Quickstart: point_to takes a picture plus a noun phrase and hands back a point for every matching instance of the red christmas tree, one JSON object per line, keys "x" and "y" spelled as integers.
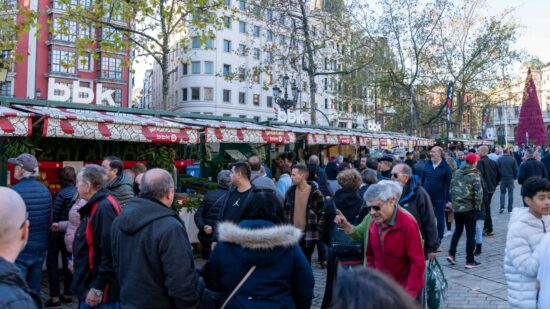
{"x": 531, "y": 125}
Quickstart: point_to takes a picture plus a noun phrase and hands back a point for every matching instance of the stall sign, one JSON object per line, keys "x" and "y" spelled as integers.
{"x": 346, "y": 140}
{"x": 79, "y": 94}
{"x": 292, "y": 117}
{"x": 374, "y": 126}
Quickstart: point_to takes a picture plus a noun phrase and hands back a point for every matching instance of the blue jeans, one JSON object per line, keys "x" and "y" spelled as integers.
{"x": 30, "y": 264}
{"x": 100, "y": 306}
{"x": 479, "y": 231}
{"x": 439, "y": 210}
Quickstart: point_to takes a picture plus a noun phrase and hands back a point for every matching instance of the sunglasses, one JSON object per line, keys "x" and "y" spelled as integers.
{"x": 376, "y": 208}
{"x": 26, "y": 218}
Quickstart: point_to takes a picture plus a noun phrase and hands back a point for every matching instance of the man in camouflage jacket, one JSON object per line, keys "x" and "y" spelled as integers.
{"x": 467, "y": 198}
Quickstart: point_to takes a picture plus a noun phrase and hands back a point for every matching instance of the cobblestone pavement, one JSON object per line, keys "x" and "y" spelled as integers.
{"x": 483, "y": 287}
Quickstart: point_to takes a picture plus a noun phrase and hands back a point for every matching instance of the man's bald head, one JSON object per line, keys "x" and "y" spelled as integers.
{"x": 483, "y": 151}
{"x": 314, "y": 159}
{"x": 12, "y": 219}
{"x": 255, "y": 164}
{"x": 157, "y": 183}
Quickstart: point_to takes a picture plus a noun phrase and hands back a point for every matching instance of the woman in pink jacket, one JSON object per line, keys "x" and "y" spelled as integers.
{"x": 70, "y": 226}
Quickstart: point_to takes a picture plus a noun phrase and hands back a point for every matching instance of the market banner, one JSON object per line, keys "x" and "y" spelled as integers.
{"x": 245, "y": 135}
{"x": 100, "y": 125}
{"x": 14, "y": 122}
{"x": 330, "y": 139}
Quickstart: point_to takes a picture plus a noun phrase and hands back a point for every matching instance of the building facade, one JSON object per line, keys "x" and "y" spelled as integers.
{"x": 234, "y": 74}
{"x": 50, "y": 68}
{"x": 505, "y": 116}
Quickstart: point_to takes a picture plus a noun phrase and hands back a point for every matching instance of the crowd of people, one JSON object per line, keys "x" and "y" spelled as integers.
{"x": 123, "y": 246}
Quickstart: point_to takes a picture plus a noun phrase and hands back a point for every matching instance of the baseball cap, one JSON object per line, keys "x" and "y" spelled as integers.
{"x": 471, "y": 158}
{"x": 27, "y": 161}
{"x": 386, "y": 158}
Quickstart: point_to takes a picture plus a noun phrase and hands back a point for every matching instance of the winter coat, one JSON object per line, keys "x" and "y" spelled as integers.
{"x": 417, "y": 202}
{"x": 122, "y": 189}
{"x": 154, "y": 251}
{"x": 490, "y": 175}
{"x": 418, "y": 168}
{"x": 400, "y": 254}
{"x": 62, "y": 203}
{"x": 38, "y": 200}
{"x": 466, "y": 189}
{"x": 437, "y": 182}
{"x": 546, "y": 161}
{"x": 521, "y": 256}
{"x": 71, "y": 225}
{"x": 93, "y": 263}
{"x": 348, "y": 202}
{"x": 282, "y": 278}
{"x": 283, "y": 184}
{"x": 315, "y": 204}
{"x": 15, "y": 292}
{"x": 507, "y": 167}
{"x": 531, "y": 168}
{"x": 209, "y": 212}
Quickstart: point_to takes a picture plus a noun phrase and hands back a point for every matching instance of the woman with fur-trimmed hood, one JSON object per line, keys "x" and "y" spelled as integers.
{"x": 282, "y": 277}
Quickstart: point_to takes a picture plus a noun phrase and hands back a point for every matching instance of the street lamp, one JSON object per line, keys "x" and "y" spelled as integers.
{"x": 284, "y": 102}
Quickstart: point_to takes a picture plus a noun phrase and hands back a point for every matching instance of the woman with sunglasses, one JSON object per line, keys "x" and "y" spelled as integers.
{"x": 394, "y": 245}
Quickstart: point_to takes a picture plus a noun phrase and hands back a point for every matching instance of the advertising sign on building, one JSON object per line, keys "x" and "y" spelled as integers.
{"x": 78, "y": 94}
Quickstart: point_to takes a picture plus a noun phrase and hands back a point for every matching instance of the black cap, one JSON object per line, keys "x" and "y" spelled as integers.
{"x": 386, "y": 158}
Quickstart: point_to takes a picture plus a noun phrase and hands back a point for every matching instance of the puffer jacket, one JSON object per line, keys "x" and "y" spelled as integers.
{"x": 62, "y": 203}
{"x": 15, "y": 292}
{"x": 122, "y": 189}
{"x": 521, "y": 256}
{"x": 209, "y": 211}
{"x": 71, "y": 225}
{"x": 282, "y": 278}
{"x": 39, "y": 207}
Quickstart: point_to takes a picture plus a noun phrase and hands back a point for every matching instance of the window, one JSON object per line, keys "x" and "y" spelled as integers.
{"x": 269, "y": 35}
{"x": 62, "y": 61}
{"x": 117, "y": 95}
{"x": 84, "y": 95}
{"x": 326, "y": 83}
{"x": 242, "y": 49}
{"x": 63, "y": 6}
{"x": 242, "y": 5}
{"x": 208, "y": 67}
{"x": 184, "y": 69}
{"x": 242, "y": 27}
{"x": 227, "y": 22}
{"x": 184, "y": 94}
{"x": 282, "y": 19}
{"x": 5, "y": 89}
{"x": 227, "y": 96}
{"x": 256, "y": 31}
{"x": 196, "y": 67}
{"x": 256, "y": 77}
{"x": 195, "y": 93}
{"x": 208, "y": 94}
{"x": 256, "y": 53}
{"x": 342, "y": 124}
{"x": 195, "y": 42}
{"x": 257, "y": 118}
{"x": 109, "y": 34}
{"x": 64, "y": 30}
{"x": 268, "y": 79}
{"x": 227, "y": 2}
{"x": 242, "y": 98}
{"x": 226, "y": 69}
{"x": 227, "y": 115}
{"x": 269, "y": 14}
{"x": 242, "y": 73}
{"x": 111, "y": 68}
{"x": 269, "y": 101}
{"x": 227, "y": 46}
{"x": 282, "y": 40}
{"x": 516, "y": 112}
{"x": 209, "y": 44}
{"x": 269, "y": 56}
{"x": 326, "y": 103}
{"x": 85, "y": 62}
{"x": 256, "y": 100}
{"x": 499, "y": 111}
{"x": 85, "y": 31}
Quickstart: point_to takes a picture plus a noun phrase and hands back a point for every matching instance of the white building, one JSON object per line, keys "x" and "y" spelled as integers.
{"x": 506, "y": 115}
{"x": 218, "y": 78}
{"x": 146, "y": 99}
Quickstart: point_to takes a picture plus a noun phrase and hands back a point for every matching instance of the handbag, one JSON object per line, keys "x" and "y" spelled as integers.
{"x": 436, "y": 286}
{"x": 341, "y": 244}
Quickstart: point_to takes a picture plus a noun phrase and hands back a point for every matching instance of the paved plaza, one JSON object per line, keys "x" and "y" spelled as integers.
{"x": 482, "y": 287}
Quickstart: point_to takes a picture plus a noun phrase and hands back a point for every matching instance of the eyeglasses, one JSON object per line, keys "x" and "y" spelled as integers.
{"x": 395, "y": 175}
{"x": 26, "y": 218}
{"x": 376, "y": 208}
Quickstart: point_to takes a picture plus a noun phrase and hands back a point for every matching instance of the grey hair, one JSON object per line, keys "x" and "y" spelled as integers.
{"x": 460, "y": 152}
{"x": 405, "y": 169}
{"x": 156, "y": 186}
{"x": 369, "y": 176}
{"x": 383, "y": 190}
{"x": 529, "y": 154}
{"x": 224, "y": 178}
{"x": 94, "y": 175}
{"x": 313, "y": 159}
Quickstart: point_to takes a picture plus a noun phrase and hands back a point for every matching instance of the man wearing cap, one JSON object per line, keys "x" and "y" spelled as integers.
{"x": 410, "y": 161}
{"x": 38, "y": 200}
{"x": 467, "y": 199}
{"x": 385, "y": 164}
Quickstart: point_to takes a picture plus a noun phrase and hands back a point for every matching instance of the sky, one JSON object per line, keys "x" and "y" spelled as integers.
{"x": 533, "y": 17}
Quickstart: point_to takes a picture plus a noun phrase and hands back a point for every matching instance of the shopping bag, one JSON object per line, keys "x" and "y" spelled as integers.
{"x": 436, "y": 286}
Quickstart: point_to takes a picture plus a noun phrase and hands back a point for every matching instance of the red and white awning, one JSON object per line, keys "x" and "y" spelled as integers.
{"x": 100, "y": 125}
{"x": 14, "y": 122}
{"x": 221, "y": 131}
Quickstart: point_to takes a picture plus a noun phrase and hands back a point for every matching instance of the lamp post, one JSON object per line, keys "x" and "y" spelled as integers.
{"x": 284, "y": 102}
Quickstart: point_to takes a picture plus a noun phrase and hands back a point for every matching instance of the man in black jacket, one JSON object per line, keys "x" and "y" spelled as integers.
{"x": 206, "y": 217}
{"x": 417, "y": 202}
{"x": 508, "y": 170}
{"x": 14, "y": 227}
{"x": 490, "y": 178}
{"x": 531, "y": 167}
{"x": 152, "y": 256}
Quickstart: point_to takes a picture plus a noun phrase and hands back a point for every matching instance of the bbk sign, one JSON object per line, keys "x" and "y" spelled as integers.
{"x": 373, "y": 126}
{"x": 292, "y": 117}
{"x": 78, "y": 94}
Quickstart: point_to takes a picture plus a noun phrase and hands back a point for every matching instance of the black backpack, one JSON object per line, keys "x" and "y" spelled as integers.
{"x": 341, "y": 244}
